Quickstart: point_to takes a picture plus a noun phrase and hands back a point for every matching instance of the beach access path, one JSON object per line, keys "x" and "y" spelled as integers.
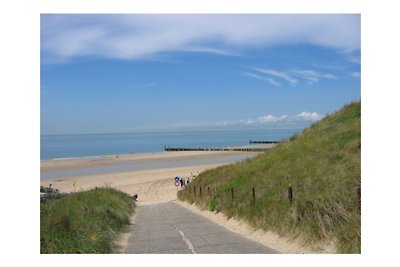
{"x": 161, "y": 223}
{"x": 168, "y": 228}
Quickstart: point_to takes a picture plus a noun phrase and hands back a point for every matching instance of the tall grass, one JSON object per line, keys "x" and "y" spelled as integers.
{"x": 322, "y": 165}
{"x": 84, "y": 222}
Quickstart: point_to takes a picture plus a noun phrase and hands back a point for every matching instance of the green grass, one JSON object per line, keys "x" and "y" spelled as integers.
{"x": 323, "y": 166}
{"x": 84, "y": 222}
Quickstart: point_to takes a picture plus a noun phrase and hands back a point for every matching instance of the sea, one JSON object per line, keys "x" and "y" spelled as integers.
{"x": 97, "y": 145}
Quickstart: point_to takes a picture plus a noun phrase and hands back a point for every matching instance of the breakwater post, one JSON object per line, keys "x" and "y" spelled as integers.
{"x": 359, "y": 196}
{"x": 290, "y": 194}
{"x": 263, "y": 142}
{"x": 244, "y": 149}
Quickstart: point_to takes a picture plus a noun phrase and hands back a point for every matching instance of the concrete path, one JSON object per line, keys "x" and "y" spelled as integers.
{"x": 170, "y": 228}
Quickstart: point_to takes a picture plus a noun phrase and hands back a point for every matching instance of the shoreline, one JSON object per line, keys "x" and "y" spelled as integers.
{"x": 101, "y": 156}
{"x": 145, "y": 153}
{"x": 152, "y": 180}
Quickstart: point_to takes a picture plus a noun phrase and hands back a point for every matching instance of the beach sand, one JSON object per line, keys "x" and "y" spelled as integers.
{"x": 157, "y": 185}
{"x": 151, "y": 185}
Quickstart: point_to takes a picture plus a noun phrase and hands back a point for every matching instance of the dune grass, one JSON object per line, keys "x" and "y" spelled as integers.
{"x": 84, "y": 222}
{"x": 323, "y": 167}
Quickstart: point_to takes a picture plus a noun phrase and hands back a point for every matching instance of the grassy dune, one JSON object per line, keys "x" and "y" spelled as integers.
{"x": 323, "y": 167}
{"x": 85, "y": 222}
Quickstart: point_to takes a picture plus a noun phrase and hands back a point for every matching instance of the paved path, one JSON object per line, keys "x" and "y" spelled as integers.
{"x": 170, "y": 228}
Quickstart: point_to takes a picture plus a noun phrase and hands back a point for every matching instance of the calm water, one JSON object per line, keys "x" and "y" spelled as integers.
{"x": 85, "y": 145}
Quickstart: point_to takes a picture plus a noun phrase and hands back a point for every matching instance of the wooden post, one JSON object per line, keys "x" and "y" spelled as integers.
{"x": 290, "y": 194}
{"x": 233, "y": 197}
{"x": 359, "y": 196}
{"x": 200, "y": 191}
{"x": 254, "y": 195}
{"x": 194, "y": 191}
{"x": 208, "y": 190}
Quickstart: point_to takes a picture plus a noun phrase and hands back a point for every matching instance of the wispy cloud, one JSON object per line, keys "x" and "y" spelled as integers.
{"x": 146, "y": 36}
{"x": 267, "y": 79}
{"x": 278, "y": 74}
{"x": 143, "y": 85}
{"x": 355, "y": 59}
{"x": 355, "y": 74}
{"x": 312, "y": 76}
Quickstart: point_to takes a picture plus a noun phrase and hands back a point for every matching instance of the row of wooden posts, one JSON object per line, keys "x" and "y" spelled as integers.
{"x": 253, "y": 193}
{"x": 289, "y": 194}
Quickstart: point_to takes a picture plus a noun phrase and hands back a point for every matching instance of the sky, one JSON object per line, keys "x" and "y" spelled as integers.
{"x": 126, "y": 73}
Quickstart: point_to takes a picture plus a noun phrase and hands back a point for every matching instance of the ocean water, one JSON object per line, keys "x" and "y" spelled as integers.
{"x": 88, "y": 145}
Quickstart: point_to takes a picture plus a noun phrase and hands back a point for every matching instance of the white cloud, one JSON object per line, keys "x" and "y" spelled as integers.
{"x": 355, "y": 74}
{"x": 312, "y": 76}
{"x": 303, "y": 116}
{"x": 308, "y": 116}
{"x": 279, "y": 74}
{"x": 145, "y": 36}
{"x": 246, "y": 122}
{"x": 355, "y": 59}
{"x": 267, "y": 118}
{"x": 267, "y": 79}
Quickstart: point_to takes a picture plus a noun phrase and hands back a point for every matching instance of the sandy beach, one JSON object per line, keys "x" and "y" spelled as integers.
{"x": 152, "y": 175}
{"x": 155, "y": 185}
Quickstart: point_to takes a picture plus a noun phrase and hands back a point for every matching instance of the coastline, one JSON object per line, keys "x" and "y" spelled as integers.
{"x": 157, "y": 185}
{"x": 151, "y": 184}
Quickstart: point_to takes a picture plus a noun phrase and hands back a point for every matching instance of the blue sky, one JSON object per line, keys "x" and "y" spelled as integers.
{"x": 122, "y": 73}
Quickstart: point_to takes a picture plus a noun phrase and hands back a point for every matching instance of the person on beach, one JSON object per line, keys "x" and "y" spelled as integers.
{"x": 188, "y": 180}
{"x": 181, "y": 181}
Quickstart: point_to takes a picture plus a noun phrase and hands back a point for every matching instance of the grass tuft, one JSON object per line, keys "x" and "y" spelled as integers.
{"x": 84, "y": 222}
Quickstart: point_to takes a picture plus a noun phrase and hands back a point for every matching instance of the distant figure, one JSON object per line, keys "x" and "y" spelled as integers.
{"x": 188, "y": 180}
{"x": 135, "y": 197}
{"x": 181, "y": 181}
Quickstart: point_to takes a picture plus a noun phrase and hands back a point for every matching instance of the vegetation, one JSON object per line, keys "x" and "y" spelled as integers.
{"x": 323, "y": 167}
{"x": 84, "y": 222}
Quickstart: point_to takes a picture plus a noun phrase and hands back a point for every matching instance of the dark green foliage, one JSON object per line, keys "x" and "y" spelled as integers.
{"x": 323, "y": 166}
{"x": 213, "y": 203}
{"x": 84, "y": 222}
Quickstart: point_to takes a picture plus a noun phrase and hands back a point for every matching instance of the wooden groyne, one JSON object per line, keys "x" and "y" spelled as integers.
{"x": 263, "y": 142}
{"x": 244, "y": 149}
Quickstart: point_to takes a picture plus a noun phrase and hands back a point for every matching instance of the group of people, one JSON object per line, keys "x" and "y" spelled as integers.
{"x": 184, "y": 182}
